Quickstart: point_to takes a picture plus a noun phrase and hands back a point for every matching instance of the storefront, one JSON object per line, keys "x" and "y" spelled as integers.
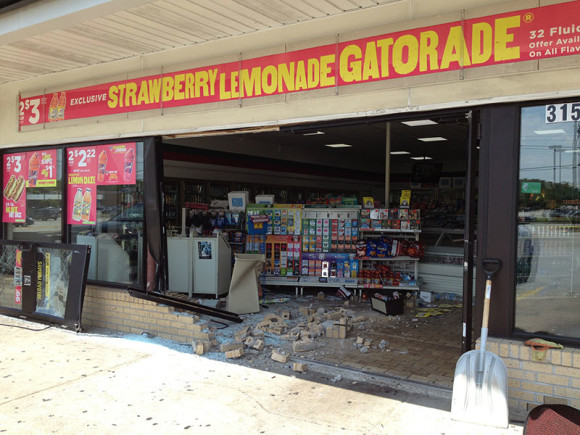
{"x": 476, "y": 116}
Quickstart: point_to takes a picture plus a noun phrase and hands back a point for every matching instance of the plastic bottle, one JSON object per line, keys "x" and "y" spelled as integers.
{"x": 86, "y": 205}
{"x": 129, "y": 163}
{"x": 102, "y": 166}
{"x": 53, "y": 108}
{"x": 33, "y": 168}
{"x": 61, "y": 106}
{"x": 77, "y": 205}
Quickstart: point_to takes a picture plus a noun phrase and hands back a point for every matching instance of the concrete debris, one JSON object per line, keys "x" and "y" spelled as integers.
{"x": 272, "y": 323}
{"x": 306, "y": 311}
{"x": 236, "y": 353}
{"x": 226, "y": 347}
{"x": 258, "y": 344}
{"x": 305, "y": 345}
{"x": 299, "y": 367}
{"x": 280, "y": 356}
{"x": 201, "y": 347}
{"x": 242, "y": 334}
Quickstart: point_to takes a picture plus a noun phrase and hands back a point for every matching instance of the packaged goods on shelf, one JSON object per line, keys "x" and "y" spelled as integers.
{"x": 341, "y": 265}
{"x": 390, "y": 219}
{"x": 282, "y": 255}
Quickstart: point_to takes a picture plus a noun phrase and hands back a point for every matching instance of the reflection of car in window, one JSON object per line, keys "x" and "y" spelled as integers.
{"x": 128, "y": 221}
{"x": 45, "y": 213}
{"x": 527, "y": 255}
{"x": 29, "y": 221}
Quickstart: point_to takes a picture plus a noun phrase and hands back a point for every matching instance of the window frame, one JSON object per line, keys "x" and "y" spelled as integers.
{"x": 514, "y": 333}
{"x": 66, "y": 229}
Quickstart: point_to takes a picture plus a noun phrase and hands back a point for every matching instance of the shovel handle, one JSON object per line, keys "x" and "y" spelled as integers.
{"x": 490, "y": 267}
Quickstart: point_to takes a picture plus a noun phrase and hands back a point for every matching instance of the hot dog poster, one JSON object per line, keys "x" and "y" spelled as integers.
{"x": 14, "y": 182}
{"x": 21, "y": 171}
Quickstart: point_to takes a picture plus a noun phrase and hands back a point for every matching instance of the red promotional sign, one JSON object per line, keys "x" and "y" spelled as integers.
{"x": 116, "y": 164}
{"x": 89, "y": 167}
{"x": 15, "y": 171}
{"x": 41, "y": 168}
{"x": 82, "y": 185}
{"x": 538, "y": 33}
{"x": 21, "y": 171}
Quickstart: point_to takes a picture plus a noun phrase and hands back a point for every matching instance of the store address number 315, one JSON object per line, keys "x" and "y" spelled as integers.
{"x": 562, "y": 112}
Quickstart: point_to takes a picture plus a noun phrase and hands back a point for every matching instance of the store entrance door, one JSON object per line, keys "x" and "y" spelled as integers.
{"x": 469, "y": 230}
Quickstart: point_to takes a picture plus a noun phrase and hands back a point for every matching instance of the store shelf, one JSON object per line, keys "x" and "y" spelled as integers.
{"x": 399, "y": 264}
{"x": 388, "y": 230}
{"x": 299, "y": 283}
{"x": 399, "y": 258}
{"x": 388, "y": 287}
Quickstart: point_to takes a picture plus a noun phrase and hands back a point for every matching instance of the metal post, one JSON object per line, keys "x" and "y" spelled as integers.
{"x": 388, "y": 165}
{"x": 469, "y": 230}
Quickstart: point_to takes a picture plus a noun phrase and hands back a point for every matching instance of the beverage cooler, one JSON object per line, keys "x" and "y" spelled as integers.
{"x": 212, "y": 265}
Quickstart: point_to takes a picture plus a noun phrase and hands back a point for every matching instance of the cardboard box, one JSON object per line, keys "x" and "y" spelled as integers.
{"x": 238, "y": 201}
{"x": 393, "y": 307}
{"x": 264, "y": 199}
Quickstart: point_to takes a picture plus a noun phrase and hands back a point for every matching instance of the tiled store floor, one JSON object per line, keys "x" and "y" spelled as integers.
{"x": 422, "y": 349}
{"x": 411, "y": 346}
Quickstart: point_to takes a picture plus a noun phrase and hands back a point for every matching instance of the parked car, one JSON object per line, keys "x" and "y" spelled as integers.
{"x": 45, "y": 213}
{"x": 29, "y": 221}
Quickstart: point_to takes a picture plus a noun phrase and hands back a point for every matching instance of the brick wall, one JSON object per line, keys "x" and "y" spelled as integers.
{"x": 116, "y": 310}
{"x": 556, "y": 379}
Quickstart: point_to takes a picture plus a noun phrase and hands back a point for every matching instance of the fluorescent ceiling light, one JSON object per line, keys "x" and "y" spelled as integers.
{"x": 431, "y": 139}
{"x": 555, "y": 131}
{"x": 422, "y": 158}
{"x": 314, "y": 133}
{"x": 399, "y": 153}
{"x": 338, "y": 145}
{"x": 572, "y": 151}
{"x": 418, "y": 122}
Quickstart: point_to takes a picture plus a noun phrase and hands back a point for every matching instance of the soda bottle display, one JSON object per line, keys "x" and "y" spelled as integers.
{"x": 129, "y": 163}
{"x": 33, "y": 168}
{"x": 86, "y": 205}
{"x": 53, "y": 108}
{"x": 102, "y": 168}
{"x": 77, "y": 205}
{"x": 61, "y": 106}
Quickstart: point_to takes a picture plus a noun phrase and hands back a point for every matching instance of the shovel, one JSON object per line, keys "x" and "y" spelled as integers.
{"x": 480, "y": 382}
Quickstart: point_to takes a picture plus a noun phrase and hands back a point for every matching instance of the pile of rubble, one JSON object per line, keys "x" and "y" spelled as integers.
{"x": 289, "y": 332}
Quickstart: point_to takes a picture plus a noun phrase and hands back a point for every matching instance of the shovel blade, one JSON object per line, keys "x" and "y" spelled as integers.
{"x": 480, "y": 390}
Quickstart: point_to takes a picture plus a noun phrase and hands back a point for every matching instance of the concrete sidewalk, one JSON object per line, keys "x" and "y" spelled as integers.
{"x": 56, "y": 381}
